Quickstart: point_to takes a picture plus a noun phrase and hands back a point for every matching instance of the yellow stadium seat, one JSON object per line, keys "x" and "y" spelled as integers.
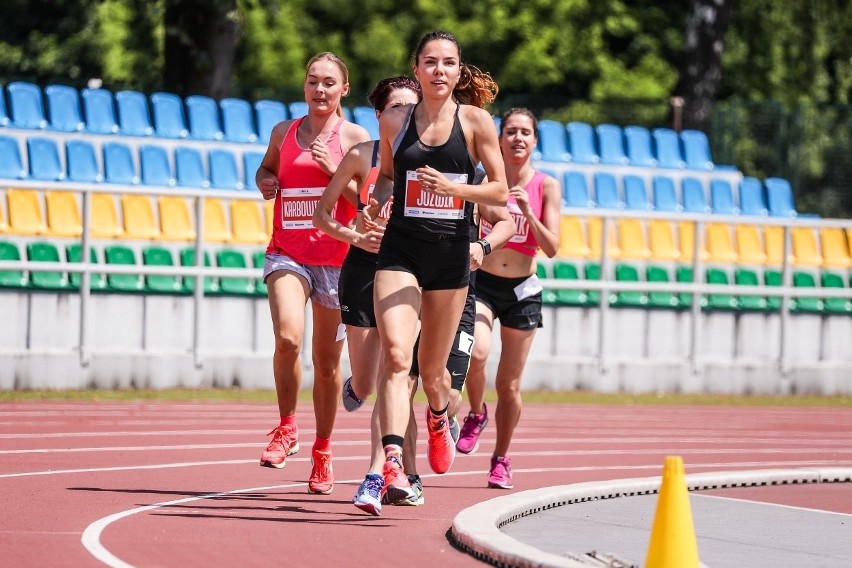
{"x": 269, "y": 208}
{"x": 247, "y": 222}
{"x": 572, "y": 238}
{"x": 25, "y": 216}
{"x": 749, "y": 247}
{"x": 105, "y": 224}
{"x": 175, "y": 219}
{"x": 216, "y": 222}
{"x": 661, "y": 237}
{"x": 632, "y": 243}
{"x": 720, "y": 246}
{"x": 594, "y": 228}
{"x": 805, "y": 250}
{"x": 774, "y": 239}
{"x": 138, "y": 214}
{"x": 3, "y": 224}
{"x": 835, "y": 249}
{"x": 63, "y": 214}
{"x": 686, "y": 241}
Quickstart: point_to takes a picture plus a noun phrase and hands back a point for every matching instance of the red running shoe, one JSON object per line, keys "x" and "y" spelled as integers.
{"x": 441, "y": 450}
{"x": 284, "y": 443}
{"x": 322, "y": 474}
{"x": 397, "y": 488}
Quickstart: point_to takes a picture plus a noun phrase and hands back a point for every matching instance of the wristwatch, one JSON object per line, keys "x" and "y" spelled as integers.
{"x": 486, "y": 246}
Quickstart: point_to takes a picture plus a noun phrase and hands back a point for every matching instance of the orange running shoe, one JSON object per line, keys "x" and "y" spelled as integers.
{"x": 322, "y": 474}
{"x": 397, "y": 488}
{"x": 441, "y": 450}
{"x": 284, "y": 443}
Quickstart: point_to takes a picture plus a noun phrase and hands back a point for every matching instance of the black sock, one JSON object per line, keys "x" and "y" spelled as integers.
{"x": 437, "y": 413}
{"x": 392, "y": 440}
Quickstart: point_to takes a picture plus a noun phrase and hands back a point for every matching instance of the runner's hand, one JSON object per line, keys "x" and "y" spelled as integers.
{"x": 434, "y": 181}
{"x": 268, "y": 187}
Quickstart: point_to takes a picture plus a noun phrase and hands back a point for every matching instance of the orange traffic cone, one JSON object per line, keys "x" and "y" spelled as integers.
{"x": 673, "y": 542}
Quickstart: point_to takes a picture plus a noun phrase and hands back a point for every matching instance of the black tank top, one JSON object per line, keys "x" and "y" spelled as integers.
{"x": 423, "y": 214}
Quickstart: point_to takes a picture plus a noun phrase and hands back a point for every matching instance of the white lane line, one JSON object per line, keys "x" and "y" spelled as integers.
{"x": 771, "y": 504}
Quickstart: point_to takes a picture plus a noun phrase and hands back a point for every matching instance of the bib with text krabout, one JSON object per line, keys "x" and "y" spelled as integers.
{"x": 522, "y": 227}
{"x": 298, "y": 205}
{"x": 425, "y": 204}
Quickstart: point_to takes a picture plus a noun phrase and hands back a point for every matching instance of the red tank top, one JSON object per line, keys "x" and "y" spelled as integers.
{"x": 302, "y": 182}
{"x": 524, "y": 241}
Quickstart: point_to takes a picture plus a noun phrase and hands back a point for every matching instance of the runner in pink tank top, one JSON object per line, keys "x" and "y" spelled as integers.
{"x": 524, "y": 240}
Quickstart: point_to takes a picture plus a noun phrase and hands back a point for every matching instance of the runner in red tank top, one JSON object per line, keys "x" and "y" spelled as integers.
{"x": 303, "y": 263}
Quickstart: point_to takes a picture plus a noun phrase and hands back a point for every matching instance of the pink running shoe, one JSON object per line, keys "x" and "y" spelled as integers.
{"x": 397, "y": 487}
{"x": 322, "y": 474}
{"x": 284, "y": 443}
{"x": 441, "y": 450}
{"x": 501, "y": 473}
{"x": 471, "y": 429}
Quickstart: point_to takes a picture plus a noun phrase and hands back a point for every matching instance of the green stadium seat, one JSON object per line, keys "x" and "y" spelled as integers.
{"x": 123, "y": 255}
{"x": 11, "y": 278}
{"x": 187, "y": 258}
{"x": 683, "y": 274}
{"x": 772, "y": 277}
{"x": 660, "y": 299}
{"x": 258, "y": 259}
{"x": 806, "y": 304}
{"x": 628, "y": 273}
{"x": 547, "y": 296}
{"x": 748, "y": 277}
{"x": 230, "y": 258}
{"x": 567, "y": 271}
{"x": 48, "y": 280}
{"x": 160, "y": 256}
{"x": 73, "y": 253}
{"x": 719, "y": 301}
{"x": 592, "y": 271}
{"x": 836, "y": 305}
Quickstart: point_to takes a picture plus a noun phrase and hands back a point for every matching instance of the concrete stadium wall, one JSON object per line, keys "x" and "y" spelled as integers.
{"x": 146, "y": 342}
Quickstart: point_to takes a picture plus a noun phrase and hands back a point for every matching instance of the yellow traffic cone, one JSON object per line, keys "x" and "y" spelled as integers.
{"x": 673, "y": 542}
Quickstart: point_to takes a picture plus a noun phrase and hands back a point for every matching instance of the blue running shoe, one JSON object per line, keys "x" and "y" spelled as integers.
{"x": 368, "y": 497}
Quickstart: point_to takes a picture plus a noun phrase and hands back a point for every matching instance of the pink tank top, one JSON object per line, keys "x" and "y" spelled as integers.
{"x": 524, "y": 241}
{"x": 302, "y": 182}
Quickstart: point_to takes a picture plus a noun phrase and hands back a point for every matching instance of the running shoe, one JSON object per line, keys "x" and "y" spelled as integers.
{"x": 284, "y": 443}
{"x": 369, "y": 495}
{"x": 454, "y": 429}
{"x": 322, "y": 474}
{"x": 416, "y": 498}
{"x": 350, "y": 402}
{"x": 440, "y": 449}
{"x": 471, "y": 429}
{"x": 397, "y": 488}
{"x": 500, "y": 476}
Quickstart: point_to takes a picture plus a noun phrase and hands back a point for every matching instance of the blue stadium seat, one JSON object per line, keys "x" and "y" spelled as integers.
{"x": 611, "y": 144}
{"x": 63, "y": 104}
{"x": 25, "y": 105}
{"x": 581, "y": 139}
{"x": 169, "y": 121}
{"x": 269, "y": 113}
{"x": 251, "y": 161}
{"x": 223, "y": 170}
{"x": 752, "y": 197}
{"x": 694, "y": 199}
{"x": 347, "y": 113}
{"x": 100, "y": 111}
{"x": 82, "y": 163}
{"x": 635, "y": 194}
{"x": 44, "y": 159}
{"x": 639, "y": 146}
{"x": 696, "y": 150}
{"x": 118, "y": 164}
{"x": 297, "y": 109}
{"x": 155, "y": 166}
{"x": 606, "y": 191}
{"x": 11, "y": 164}
{"x": 575, "y": 192}
{"x": 665, "y": 196}
{"x": 134, "y": 119}
{"x": 722, "y": 198}
{"x": 668, "y": 153}
{"x": 366, "y": 117}
{"x": 190, "y": 169}
{"x": 553, "y": 141}
{"x": 203, "y": 116}
{"x": 497, "y": 123}
{"x": 4, "y": 116}
{"x": 237, "y": 120}
{"x": 779, "y": 196}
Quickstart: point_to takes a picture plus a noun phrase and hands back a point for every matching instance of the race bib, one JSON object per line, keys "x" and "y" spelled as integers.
{"x": 367, "y": 194}
{"x": 298, "y": 205}
{"x": 428, "y": 205}
{"x": 522, "y": 227}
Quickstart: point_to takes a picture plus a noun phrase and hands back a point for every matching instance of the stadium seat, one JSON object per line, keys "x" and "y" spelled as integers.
{"x": 667, "y": 144}
{"x": 572, "y": 238}
{"x": 138, "y": 215}
{"x": 752, "y": 198}
{"x": 567, "y": 271}
{"x": 269, "y": 213}
{"x": 4, "y": 115}
{"x": 628, "y": 298}
{"x": 251, "y": 161}
{"x": 203, "y": 114}
{"x": 154, "y": 162}
{"x": 835, "y": 249}
{"x": 11, "y": 278}
{"x": 99, "y": 107}
{"x": 123, "y": 255}
{"x": 118, "y": 164}
{"x": 606, "y": 191}
{"x": 230, "y": 258}
{"x": 805, "y": 249}
{"x": 44, "y": 159}
{"x": 223, "y": 170}
{"x": 11, "y": 164}
{"x": 63, "y": 104}
{"x": 268, "y": 113}
{"x": 660, "y": 299}
{"x": 45, "y": 280}
{"x": 297, "y": 109}
{"x": 662, "y": 241}
{"x": 665, "y": 195}
{"x": 105, "y": 223}
{"x": 258, "y": 259}
{"x": 592, "y": 273}
{"x": 187, "y": 258}
{"x": 639, "y": 146}
{"x": 694, "y": 198}
{"x": 772, "y": 278}
{"x": 720, "y": 245}
{"x": 169, "y": 121}
{"x": 4, "y": 225}
{"x": 779, "y": 197}
{"x": 773, "y": 238}
{"x": 748, "y": 277}
{"x": 134, "y": 118}
{"x": 719, "y": 301}
{"x": 581, "y": 138}
{"x": 722, "y": 198}
{"x": 575, "y": 193}
{"x": 63, "y": 214}
{"x": 160, "y": 283}
{"x": 366, "y": 117}
{"x": 684, "y": 275}
{"x": 23, "y": 207}
{"x": 632, "y": 244}
{"x": 189, "y": 167}
{"x": 216, "y": 222}
{"x": 696, "y": 150}
{"x": 542, "y": 272}
{"x": 497, "y": 124}
{"x": 81, "y": 161}
{"x": 73, "y": 254}
{"x": 635, "y": 194}
{"x": 611, "y": 144}
{"x": 749, "y": 247}
{"x": 808, "y": 304}
{"x": 175, "y": 219}
{"x": 552, "y": 141}
{"x": 237, "y": 120}
{"x": 835, "y": 305}
{"x": 594, "y": 229}
{"x": 26, "y": 108}
{"x": 247, "y": 222}
{"x": 686, "y": 241}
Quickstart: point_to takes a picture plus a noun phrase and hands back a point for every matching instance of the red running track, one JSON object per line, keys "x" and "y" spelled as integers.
{"x": 178, "y": 484}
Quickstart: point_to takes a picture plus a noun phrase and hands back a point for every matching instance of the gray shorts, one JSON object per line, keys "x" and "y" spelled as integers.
{"x": 322, "y": 280}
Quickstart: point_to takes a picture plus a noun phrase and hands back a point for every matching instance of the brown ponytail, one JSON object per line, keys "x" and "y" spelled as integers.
{"x": 475, "y": 87}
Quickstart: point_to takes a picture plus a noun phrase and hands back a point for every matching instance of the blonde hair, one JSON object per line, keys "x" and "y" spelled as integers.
{"x": 341, "y": 66}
